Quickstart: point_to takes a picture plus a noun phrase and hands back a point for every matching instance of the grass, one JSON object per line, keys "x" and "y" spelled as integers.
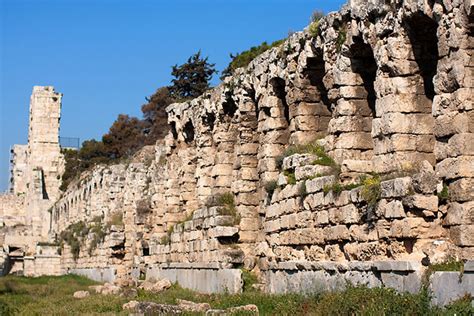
{"x": 53, "y": 296}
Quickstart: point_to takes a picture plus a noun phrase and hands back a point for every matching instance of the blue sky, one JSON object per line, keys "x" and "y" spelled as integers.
{"x": 105, "y": 56}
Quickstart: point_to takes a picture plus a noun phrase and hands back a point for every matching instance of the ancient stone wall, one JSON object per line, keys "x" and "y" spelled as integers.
{"x": 341, "y": 155}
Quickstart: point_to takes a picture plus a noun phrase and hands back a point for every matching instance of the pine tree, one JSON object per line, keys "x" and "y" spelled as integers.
{"x": 192, "y": 78}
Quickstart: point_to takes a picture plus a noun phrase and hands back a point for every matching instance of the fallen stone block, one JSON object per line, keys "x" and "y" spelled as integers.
{"x": 81, "y": 294}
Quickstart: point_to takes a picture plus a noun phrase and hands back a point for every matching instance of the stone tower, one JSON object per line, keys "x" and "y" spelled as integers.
{"x": 45, "y": 163}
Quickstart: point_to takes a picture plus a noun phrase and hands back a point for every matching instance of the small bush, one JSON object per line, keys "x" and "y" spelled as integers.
{"x": 443, "y": 196}
{"x": 116, "y": 219}
{"x": 244, "y": 58}
{"x": 314, "y": 26}
{"x": 341, "y": 39}
{"x": 270, "y": 187}
{"x": 302, "y": 190}
{"x": 290, "y": 177}
{"x": 371, "y": 190}
{"x": 226, "y": 203}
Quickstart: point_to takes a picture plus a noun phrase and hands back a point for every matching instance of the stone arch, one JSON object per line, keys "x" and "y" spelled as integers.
{"x": 422, "y": 33}
{"x": 363, "y": 63}
{"x": 278, "y": 87}
{"x": 188, "y": 132}
{"x": 229, "y": 106}
{"x": 354, "y": 112}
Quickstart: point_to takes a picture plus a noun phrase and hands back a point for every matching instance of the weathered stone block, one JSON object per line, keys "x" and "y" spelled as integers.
{"x": 462, "y": 190}
{"x": 391, "y": 210}
{"x": 423, "y": 202}
{"x": 396, "y": 188}
{"x": 460, "y": 213}
{"x": 453, "y": 168}
{"x": 393, "y": 123}
{"x": 310, "y": 171}
{"x": 462, "y": 235}
{"x": 336, "y": 233}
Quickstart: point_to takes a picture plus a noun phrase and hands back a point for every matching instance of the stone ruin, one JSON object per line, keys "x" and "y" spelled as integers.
{"x": 341, "y": 155}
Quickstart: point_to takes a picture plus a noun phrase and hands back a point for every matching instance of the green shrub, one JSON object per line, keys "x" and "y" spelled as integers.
{"x": 314, "y": 26}
{"x": 302, "y": 190}
{"x": 341, "y": 39}
{"x": 290, "y": 177}
{"x": 270, "y": 187}
{"x": 443, "y": 196}
{"x": 226, "y": 203}
{"x": 244, "y": 58}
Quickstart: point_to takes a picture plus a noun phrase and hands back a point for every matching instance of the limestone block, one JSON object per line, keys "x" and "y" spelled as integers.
{"x": 422, "y": 202}
{"x": 461, "y": 144}
{"x": 453, "y": 123}
{"x": 425, "y": 180}
{"x": 271, "y": 226}
{"x": 404, "y": 142}
{"x": 298, "y": 160}
{"x": 393, "y": 123}
{"x": 415, "y": 227}
{"x": 314, "y": 109}
{"x": 317, "y": 184}
{"x": 396, "y": 188}
{"x": 313, "y": 201}
{"x": 271, "y": 150}
{"x": 403, "y": 103}
{"x": 353, "y": 92}
{"x": 350, "y": 124}
{"x": 460, "y": 213}
{"x": 345, "y": 215}
{"x": 461, "y": 190}
{"x": 453, "y": 168}
{"x": 364, "y": 251}
{"x": 391, "y": 210}
{"x": 222, "y": 231}
{"x": 358, "y": 166}
{"x": 354, "y": 140}
{"x": 462, "y": 235}
{"x": 311, "y": 171}
{"x": 321, "y": 218}
{"x": 309, "y": 123}
{"x": 352, "y": 108}
{"x": 272, "y": 124}
{"x": 363, "y": 233}
{"x": 336, "y": 233}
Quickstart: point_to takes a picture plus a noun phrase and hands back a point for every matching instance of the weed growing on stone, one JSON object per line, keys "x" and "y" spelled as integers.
{"x": 302, "y": 190}
{"x": 270, "y": 187}
{"x": 314, "y": 26}
{"x": 443, "y": 196}
{"x": 371, "y": 190}
{"x": 249, "y": 279}
{"x": 290, "y": 177}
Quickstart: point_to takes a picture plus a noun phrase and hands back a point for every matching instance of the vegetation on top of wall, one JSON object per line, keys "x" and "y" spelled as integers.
{"x": 129, "y": 134}
{"x": 314, "y": 25}
{"x": 244, "y": 58}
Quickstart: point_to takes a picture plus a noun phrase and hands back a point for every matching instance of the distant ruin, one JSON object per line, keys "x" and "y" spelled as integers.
{"x": 346, "y": 155}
